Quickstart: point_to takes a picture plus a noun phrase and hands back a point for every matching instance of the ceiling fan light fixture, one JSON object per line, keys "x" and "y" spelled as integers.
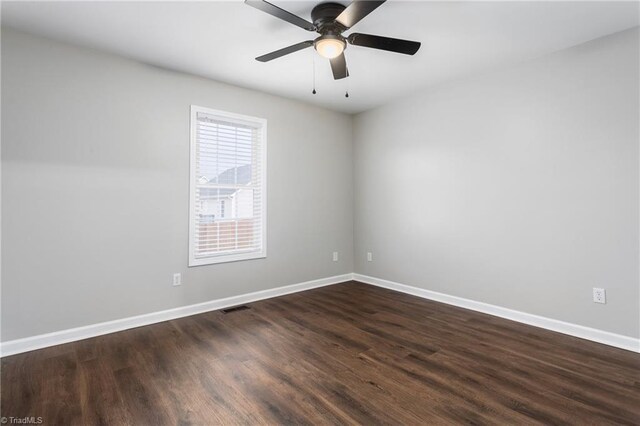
{"x": 330, "y": 46}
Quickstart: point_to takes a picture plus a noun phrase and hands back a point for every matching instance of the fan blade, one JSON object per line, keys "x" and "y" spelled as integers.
{"x": 357, "y": 10}
{"x": 384, "y": 43}
{"x": 284, "y": 51}
{"x": 281, "y": 13}
{"x": 339, "y": 67}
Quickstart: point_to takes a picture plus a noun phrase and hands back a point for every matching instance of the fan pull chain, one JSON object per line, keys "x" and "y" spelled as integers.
{"x": 314, "y": 76}
{"x": 346, "y": 93}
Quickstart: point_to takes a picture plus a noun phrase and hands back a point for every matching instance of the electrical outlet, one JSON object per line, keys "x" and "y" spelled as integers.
{"x": 599, "y": 295}
{"x": 335, "y": 256}
{"x": 177, "y": 279}
{"x": 369, "y": 256}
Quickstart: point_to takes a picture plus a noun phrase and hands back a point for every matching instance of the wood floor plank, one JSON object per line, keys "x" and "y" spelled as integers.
{"x": 100, "y": 398}
{"x": 344, "y": 354}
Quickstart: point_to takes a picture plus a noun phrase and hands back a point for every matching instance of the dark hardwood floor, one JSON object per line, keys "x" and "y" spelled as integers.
{"x": 344, "y": 354}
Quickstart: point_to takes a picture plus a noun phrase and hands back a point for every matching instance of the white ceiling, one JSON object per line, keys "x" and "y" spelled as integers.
{"x": 220, "y": 40}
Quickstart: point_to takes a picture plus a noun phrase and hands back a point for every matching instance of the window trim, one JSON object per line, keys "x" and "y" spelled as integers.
{"x": 237, "y": 118}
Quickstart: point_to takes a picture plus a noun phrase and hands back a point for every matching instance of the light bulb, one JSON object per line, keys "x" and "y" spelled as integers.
{"x": 329, "y": 47}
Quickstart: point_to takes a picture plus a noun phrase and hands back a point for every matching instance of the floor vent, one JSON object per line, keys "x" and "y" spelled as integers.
{"x": 235, "y": 309}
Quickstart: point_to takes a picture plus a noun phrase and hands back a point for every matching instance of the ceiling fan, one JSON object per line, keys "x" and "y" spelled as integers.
{"x": 330, "y": 20}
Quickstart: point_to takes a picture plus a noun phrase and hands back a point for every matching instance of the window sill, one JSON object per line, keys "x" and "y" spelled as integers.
{"x": 225, "y": 258}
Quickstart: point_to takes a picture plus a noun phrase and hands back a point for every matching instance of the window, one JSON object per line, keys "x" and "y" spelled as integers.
{"x": 227, "y": 214}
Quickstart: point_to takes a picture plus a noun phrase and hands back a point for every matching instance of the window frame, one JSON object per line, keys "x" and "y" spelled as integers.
{"x": 261, "y": 124}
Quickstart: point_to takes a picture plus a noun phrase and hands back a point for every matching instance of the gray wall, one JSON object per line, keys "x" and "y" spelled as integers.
{"x": 95, "y": 158}
{"x": 517, "y": 188}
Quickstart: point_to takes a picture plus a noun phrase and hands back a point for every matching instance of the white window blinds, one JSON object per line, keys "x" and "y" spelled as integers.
{"x": 227, "y": 219}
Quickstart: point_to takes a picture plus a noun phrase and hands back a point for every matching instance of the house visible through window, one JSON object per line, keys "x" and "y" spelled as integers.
{"x": 227, "y": 219}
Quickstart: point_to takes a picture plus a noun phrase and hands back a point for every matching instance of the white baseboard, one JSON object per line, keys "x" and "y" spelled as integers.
{"x": 600, "y": 336}
{"x": 17, "y": 346}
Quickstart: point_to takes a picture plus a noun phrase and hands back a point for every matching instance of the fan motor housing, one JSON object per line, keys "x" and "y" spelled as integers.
{"x": 324, "y": 17}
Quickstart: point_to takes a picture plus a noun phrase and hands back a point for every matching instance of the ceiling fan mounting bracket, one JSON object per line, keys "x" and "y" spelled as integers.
{"x": 324, "y": 18}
